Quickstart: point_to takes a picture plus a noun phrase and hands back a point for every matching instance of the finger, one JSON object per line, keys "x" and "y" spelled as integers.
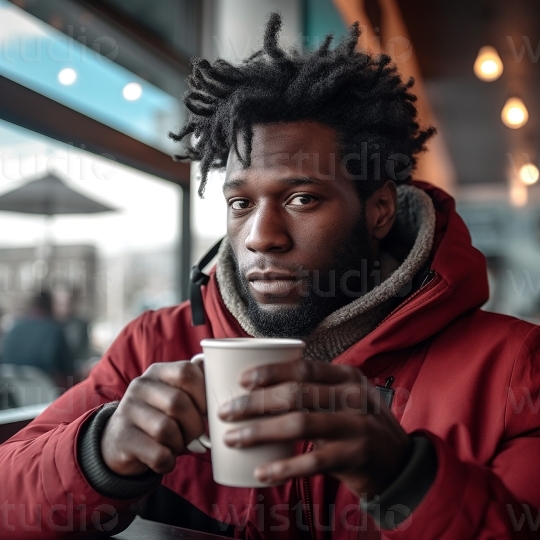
{"x": 154, "y": 455}
{"x": 157, "y": 425}
{"x": 299, "y": 371}
{"x": 352, "y": 397}
{"x": 355, "y": 457}
{"x": 183, "y": 375}
{"x": 321, "y": 461}
{"x": 175, "y": 403}
{"x": 297, "y": 425}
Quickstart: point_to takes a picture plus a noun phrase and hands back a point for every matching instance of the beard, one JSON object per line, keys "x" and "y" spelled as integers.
{"x": 323, "y": 291}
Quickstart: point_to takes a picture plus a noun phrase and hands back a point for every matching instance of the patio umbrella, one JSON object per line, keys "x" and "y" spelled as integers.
{"x": 49, "y": 196}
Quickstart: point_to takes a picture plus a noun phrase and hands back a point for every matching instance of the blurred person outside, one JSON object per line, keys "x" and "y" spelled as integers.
{"x": 38, "y": 340}
{"x": 66, "y": 309}
{"x": 374, "y": 270}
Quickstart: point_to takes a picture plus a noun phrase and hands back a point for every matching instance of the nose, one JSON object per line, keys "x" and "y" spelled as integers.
{"x": 268, "y": 231}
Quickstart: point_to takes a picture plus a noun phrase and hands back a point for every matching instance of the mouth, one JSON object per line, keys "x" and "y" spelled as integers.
{"x": 272, "y": 283}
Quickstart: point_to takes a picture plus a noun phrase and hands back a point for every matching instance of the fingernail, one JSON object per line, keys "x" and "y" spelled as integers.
{"x": 249, "y": 378}
{"x": 233, "y": 407}
{"x": 234, "y": 437}
{"x": 225, "y": 409}
{"x": 261, "y": 474}
{"x": 266, "y": 473}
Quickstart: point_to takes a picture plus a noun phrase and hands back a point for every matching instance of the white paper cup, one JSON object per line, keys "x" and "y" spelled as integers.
{"x": 224, "y": 360}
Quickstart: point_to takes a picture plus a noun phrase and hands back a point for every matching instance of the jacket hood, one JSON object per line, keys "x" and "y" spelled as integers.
{"x": 459, "y": 284}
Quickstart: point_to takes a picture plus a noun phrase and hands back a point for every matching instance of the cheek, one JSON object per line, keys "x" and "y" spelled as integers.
{"x": 318, "y": 241}
{"x": 236, "y": 232}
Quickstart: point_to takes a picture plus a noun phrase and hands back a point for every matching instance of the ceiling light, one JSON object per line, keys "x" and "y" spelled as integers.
{"x": 529, "y": 173}
{"x": 132, "y": 91}
{"x": 67, "y": 76}
{"x": 488, "y": 65}
{"x": 514, "y": 113}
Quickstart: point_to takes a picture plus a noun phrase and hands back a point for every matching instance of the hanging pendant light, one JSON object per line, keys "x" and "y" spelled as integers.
{"x": 529, "y": 174}
{"x": 514, "y": 113}
{"x": 488, "y": 65}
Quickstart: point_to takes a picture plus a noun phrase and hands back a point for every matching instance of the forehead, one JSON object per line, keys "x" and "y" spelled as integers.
{"x": 308, "y": 146}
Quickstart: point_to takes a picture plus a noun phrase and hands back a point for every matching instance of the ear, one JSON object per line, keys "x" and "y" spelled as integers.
{"x": 381, "y": 211}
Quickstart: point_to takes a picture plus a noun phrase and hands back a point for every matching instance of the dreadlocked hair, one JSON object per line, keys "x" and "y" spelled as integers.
{"x": 360, "y": 95}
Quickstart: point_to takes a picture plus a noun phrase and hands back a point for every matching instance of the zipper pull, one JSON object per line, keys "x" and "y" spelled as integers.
{"x": 386, "y": 392}
{"x": 430, "y": 275}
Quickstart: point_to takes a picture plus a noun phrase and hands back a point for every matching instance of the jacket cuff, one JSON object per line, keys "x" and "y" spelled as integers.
{"x": 98, "y": 475}
{"x": 394, "y": 505}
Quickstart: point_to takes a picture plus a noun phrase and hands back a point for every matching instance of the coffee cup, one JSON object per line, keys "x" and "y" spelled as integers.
{"x": 223, "y": 361}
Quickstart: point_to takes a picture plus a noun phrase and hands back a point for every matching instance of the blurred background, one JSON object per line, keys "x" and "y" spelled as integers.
{"x": 97, "y": 223}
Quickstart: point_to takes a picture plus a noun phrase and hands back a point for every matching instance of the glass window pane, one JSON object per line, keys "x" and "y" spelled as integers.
{"x": 106, "y": 267}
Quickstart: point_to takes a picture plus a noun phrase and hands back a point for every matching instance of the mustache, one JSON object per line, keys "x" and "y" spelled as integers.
{"x": 264, "y": 263}
{"x": 267, "y": 265}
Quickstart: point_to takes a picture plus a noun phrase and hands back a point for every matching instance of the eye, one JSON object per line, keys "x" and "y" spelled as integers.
{"x": 302, "y": 200}
{"x": 239, "y": 204}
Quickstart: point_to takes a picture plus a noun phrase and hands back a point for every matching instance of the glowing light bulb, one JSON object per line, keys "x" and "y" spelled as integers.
{"x": 529, "y": 173}
{"x": 67, "y": 76}
{"x": 488, "y": 65}
{"x": 514, "y": 113}
{"x": 132, "y": 91}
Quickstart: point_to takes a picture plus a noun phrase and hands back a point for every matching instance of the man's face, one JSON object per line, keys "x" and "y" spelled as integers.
{"x": 296, "y": 226}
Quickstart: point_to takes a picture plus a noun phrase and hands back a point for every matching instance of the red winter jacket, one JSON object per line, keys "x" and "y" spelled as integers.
{"x": 467, "y": 379}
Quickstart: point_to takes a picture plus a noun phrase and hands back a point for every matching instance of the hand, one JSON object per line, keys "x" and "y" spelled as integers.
{"x": 161, "y": 412}
{"x": 356, "y": 438}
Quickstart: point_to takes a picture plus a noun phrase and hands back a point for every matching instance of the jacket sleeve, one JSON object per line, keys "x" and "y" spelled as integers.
{"x": 43, "y": 492}
{"x": 499, "y": 499}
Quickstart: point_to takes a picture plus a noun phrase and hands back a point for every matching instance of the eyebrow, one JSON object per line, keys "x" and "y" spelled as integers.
{"x": 295, "y": 181}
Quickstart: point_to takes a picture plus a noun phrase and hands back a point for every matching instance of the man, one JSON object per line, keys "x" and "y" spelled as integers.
{"x": 384, "y": 286}
{"x": 66, "y": 308}
{"x": 38, "y": 340}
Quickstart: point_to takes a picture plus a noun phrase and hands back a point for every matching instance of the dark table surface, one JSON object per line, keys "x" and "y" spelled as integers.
{"x": 142, "y": 529}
